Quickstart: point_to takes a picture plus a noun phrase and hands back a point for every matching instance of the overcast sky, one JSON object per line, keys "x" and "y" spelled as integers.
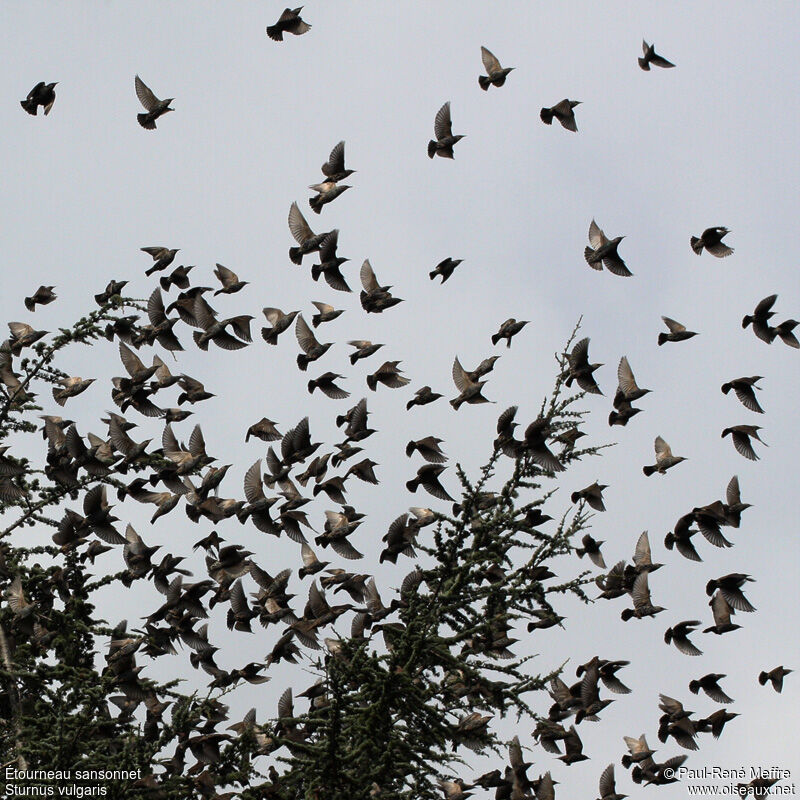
{"x": 659, "y": 156}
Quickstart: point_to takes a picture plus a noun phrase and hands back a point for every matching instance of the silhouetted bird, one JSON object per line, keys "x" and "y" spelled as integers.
{"x": 744, "y": 389}
{"x": 657, "y": 774}
{"x": 422, "y": 397}
{"x": 711, "y": 240}
{"x": 664, "y": 458}
{"x": 454, "y": 790}
{"x": 214, "y": 330}
{"x": 469, "y": 389}
{"x": 374, "y": 297}
{"x": 113, "y": 289}
{"x": 677, "y": 332}
{"x": 325, "y": 383}
{"x": 681, "y": 538}
{"x": 608, "y": 786}
{"x": 289, "y": 21}
{"x": 327, "y": 313}
{"x": 580, "y": 370}
{"x": 741, "y": 435}
{"x": 355, "y": 421}
{"x": 651, "y": 57}
{"x": 330, "y": 263}
{"x": 312, "y": 348}
{"x": 591, "y": 548}
{"x": 229, "y": 280}
{"x": 42, "y": 296}
{"x": 389, "y": 375}
{"x": 443, "y": 131}
{"x": 568, "y": 438}
{"x": 72, "y": 387}
{"x": 265, "y": 430}
{"x": 308, "y": 240}
{"x": 760, "y": 318}
{"x": 731, "y": 588}
{"x": 535, "y": 446}
{"x": 496, "y": 74}
{"x": 364, "y": 471}
{"x": 678, "y": 635}
{"x": 622, "y": 413}
{"x": 722, "y": 611}
{"x": 785, "y": 333}
{"x": 162, "y": 257}
{"x": 428, "y": 478}
{"x": 733, "y": 507}
{"x": 775, "y": 677}
{"x": 43, "y": 94}
{"x": 484, "y": 368}
{"x": 642, "y": 559}
{"x": 363, "y": 349}
{"x": 638, "y": 751}
{"x": 642, "y": 602}
{"x": 508, "y": 330}
{"x": 603, "y": 252}
{"x": 279, "y": 321}
{"x": 428, "y": 448}
{"x": 327, "y": 192}
{"x": 178, "y": 277}
{"x": 154, "y": 107}
{"x": 573, "y": 747}
{"x": 22, "y": 335}
{"x": 333, "y": 169}
{"x": 627, "y": 388}
{"x": 563, "y": 112}
{"x": 710, "y": 685}
{"x": 716, "y": 722}
{"x": 445, "y": 268}
{"x": 193, "y": 391}
{"x": 337, "y": 528}
{"x": 592, "y": 495}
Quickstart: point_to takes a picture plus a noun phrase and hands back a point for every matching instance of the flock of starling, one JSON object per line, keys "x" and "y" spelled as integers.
{"x": 184, "y": 475}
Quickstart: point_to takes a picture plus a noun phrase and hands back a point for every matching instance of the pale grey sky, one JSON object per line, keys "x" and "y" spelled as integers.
{"x": 659, "y": 156}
